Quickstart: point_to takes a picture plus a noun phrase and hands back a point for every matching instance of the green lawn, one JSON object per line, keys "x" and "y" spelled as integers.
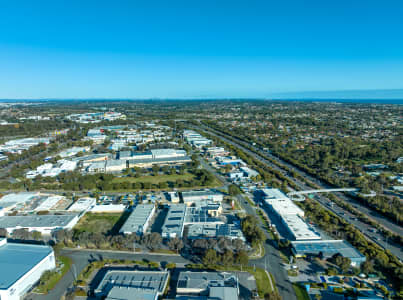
{"x": 155, "y": 179}
{"x": 300, "y": 292}
{"x": 100, "y": 223}
{"x": 45, "y": 286}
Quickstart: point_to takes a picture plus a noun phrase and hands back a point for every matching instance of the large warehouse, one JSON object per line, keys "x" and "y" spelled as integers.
{"x": 21, "y": 266}
{"x": 328, "y": 248}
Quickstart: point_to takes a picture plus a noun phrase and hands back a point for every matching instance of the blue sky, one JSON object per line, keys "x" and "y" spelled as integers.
{"x": 144, "y": 49}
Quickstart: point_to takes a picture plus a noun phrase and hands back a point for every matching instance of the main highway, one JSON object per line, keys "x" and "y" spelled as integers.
{"x": 366, "y": 229}
{"x": 271, "y": 261}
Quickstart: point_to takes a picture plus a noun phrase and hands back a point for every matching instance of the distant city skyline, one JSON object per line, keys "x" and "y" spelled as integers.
{"x": 203, "y": 49}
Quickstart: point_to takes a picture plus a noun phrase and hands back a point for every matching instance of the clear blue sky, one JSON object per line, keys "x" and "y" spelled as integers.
{"x": 208, "y": 48}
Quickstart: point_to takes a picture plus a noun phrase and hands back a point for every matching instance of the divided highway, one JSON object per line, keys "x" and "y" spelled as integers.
{"x": 363, "y": 227}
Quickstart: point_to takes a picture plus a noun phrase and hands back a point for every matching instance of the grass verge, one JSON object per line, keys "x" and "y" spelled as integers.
{"x": 49, "y": 279}
{"x": 300, "y": 292}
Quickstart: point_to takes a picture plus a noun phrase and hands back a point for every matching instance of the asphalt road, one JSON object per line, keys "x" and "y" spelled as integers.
{"x": 81, "y": 258}
{"x": 272, "y": 260}
{"x": 363, "y": 227}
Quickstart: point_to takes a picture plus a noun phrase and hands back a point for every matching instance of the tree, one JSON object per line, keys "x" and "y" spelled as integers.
{"x": 367, "y": 267}
{"x": 36, "y": 235}
{"x": 227, "y": 258}
{"x": 233, "y": 190}
{"x": 175, "y": 244}
{"x": 272, "y": 296}
{"x": 3, "y": 232}
{"x": 242, "y": 258}
{"x": 152, "y": 241}
{"x": 210, "y": 257}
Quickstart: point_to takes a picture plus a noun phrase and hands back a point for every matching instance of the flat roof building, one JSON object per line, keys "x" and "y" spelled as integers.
{"x": 191, "y": 197}
{"x": 299, "y": 229}
{"x": 139, "y": 220}
{"x": 45, "y": 224}
{"x": 21, "y": 266}
{"x": 132, "y": 285}
{"x": 206, "y": 231}
{"x": 174, "y": 221}
{"x": 214, "y": 285}
{"x": 13, "y": 200}
{"x": 328, "y": 248}
{"x": 83, "y": 204}
{"x": 149, "y": 162}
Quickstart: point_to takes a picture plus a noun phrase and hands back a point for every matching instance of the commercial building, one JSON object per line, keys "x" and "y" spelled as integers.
{"x": 174, "y": 222}
{"x": 248, "y": 172}
{"x": 328, "y": 248}
{"x": 208, "y": 230}
{"x": 45, "y": 224}
{"x": 299, "y": 229}
{"x": 173, "y": 197}
{"x": 280, "y": 203}
{"x": 216, "y": 151}
{"x": 21, "y": 266}
{"x": 115, "y": 165}
{"x": 83, "y": 204}
{"x": 191, "y": 197}
{"x": 49, "y": 202}
{"x": 139, "y": 220}
{"x": 16, "y": 200}
{"x": 203, "y": 214}
{"x": 132, "y": 285}
{"x": 89, "y": 159}
{"x": 167, "y": 153}
{"x": 149, "y": 162}
{"x": 196, "y": 139}
{"x": 108, "y": 208}
{"x": 19, "y": 145}
{"x": 229, "y": 160}
{"x": 211, "y": 285}
{"x": 73, "y": 151}
{"x": 290, "y": 214}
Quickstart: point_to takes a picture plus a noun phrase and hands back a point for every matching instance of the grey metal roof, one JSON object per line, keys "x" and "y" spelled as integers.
{"x": 173, "y": 223}
{"x": 328, "y": 248}
{"x": 147, "y": 281}
{"x": 160, "y": 160}
{"x": 36, "y": 221}
{"x": 204, "y": 280}
{"x": 200, "y": 193}
{"x": 18, "y": 259}
{"x": 137, "y": 218}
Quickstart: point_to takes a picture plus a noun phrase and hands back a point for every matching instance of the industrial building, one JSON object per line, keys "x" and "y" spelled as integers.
{"x": 108, "y": 208}
{"x": 202, "y": 215}
{"x": 195, "y": 139}
{"x": 15, "y": 200}
{"x": 192, "y": 197}
{"x": 139, "y": 220}
{"x": 149, "y": 162}
{"x": 299, "y": 229}
{"x": 208, "y": 230}
{"x": 45, "y": 224}
{"x": 73, "y": 151}
{"x": 21, "y": 266}
{"x": 229, "y": 160}
{"x": 207, "y": 285}
{"x": 132, "y": 285}
{"x": 19, "y": 145}
{"x": 328, "y": 248}
{"x": 216, "y": 151}
{"x": 83, "y": 204}
{"x": 174, "y": 222}
{"x": 290, "y": 214}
